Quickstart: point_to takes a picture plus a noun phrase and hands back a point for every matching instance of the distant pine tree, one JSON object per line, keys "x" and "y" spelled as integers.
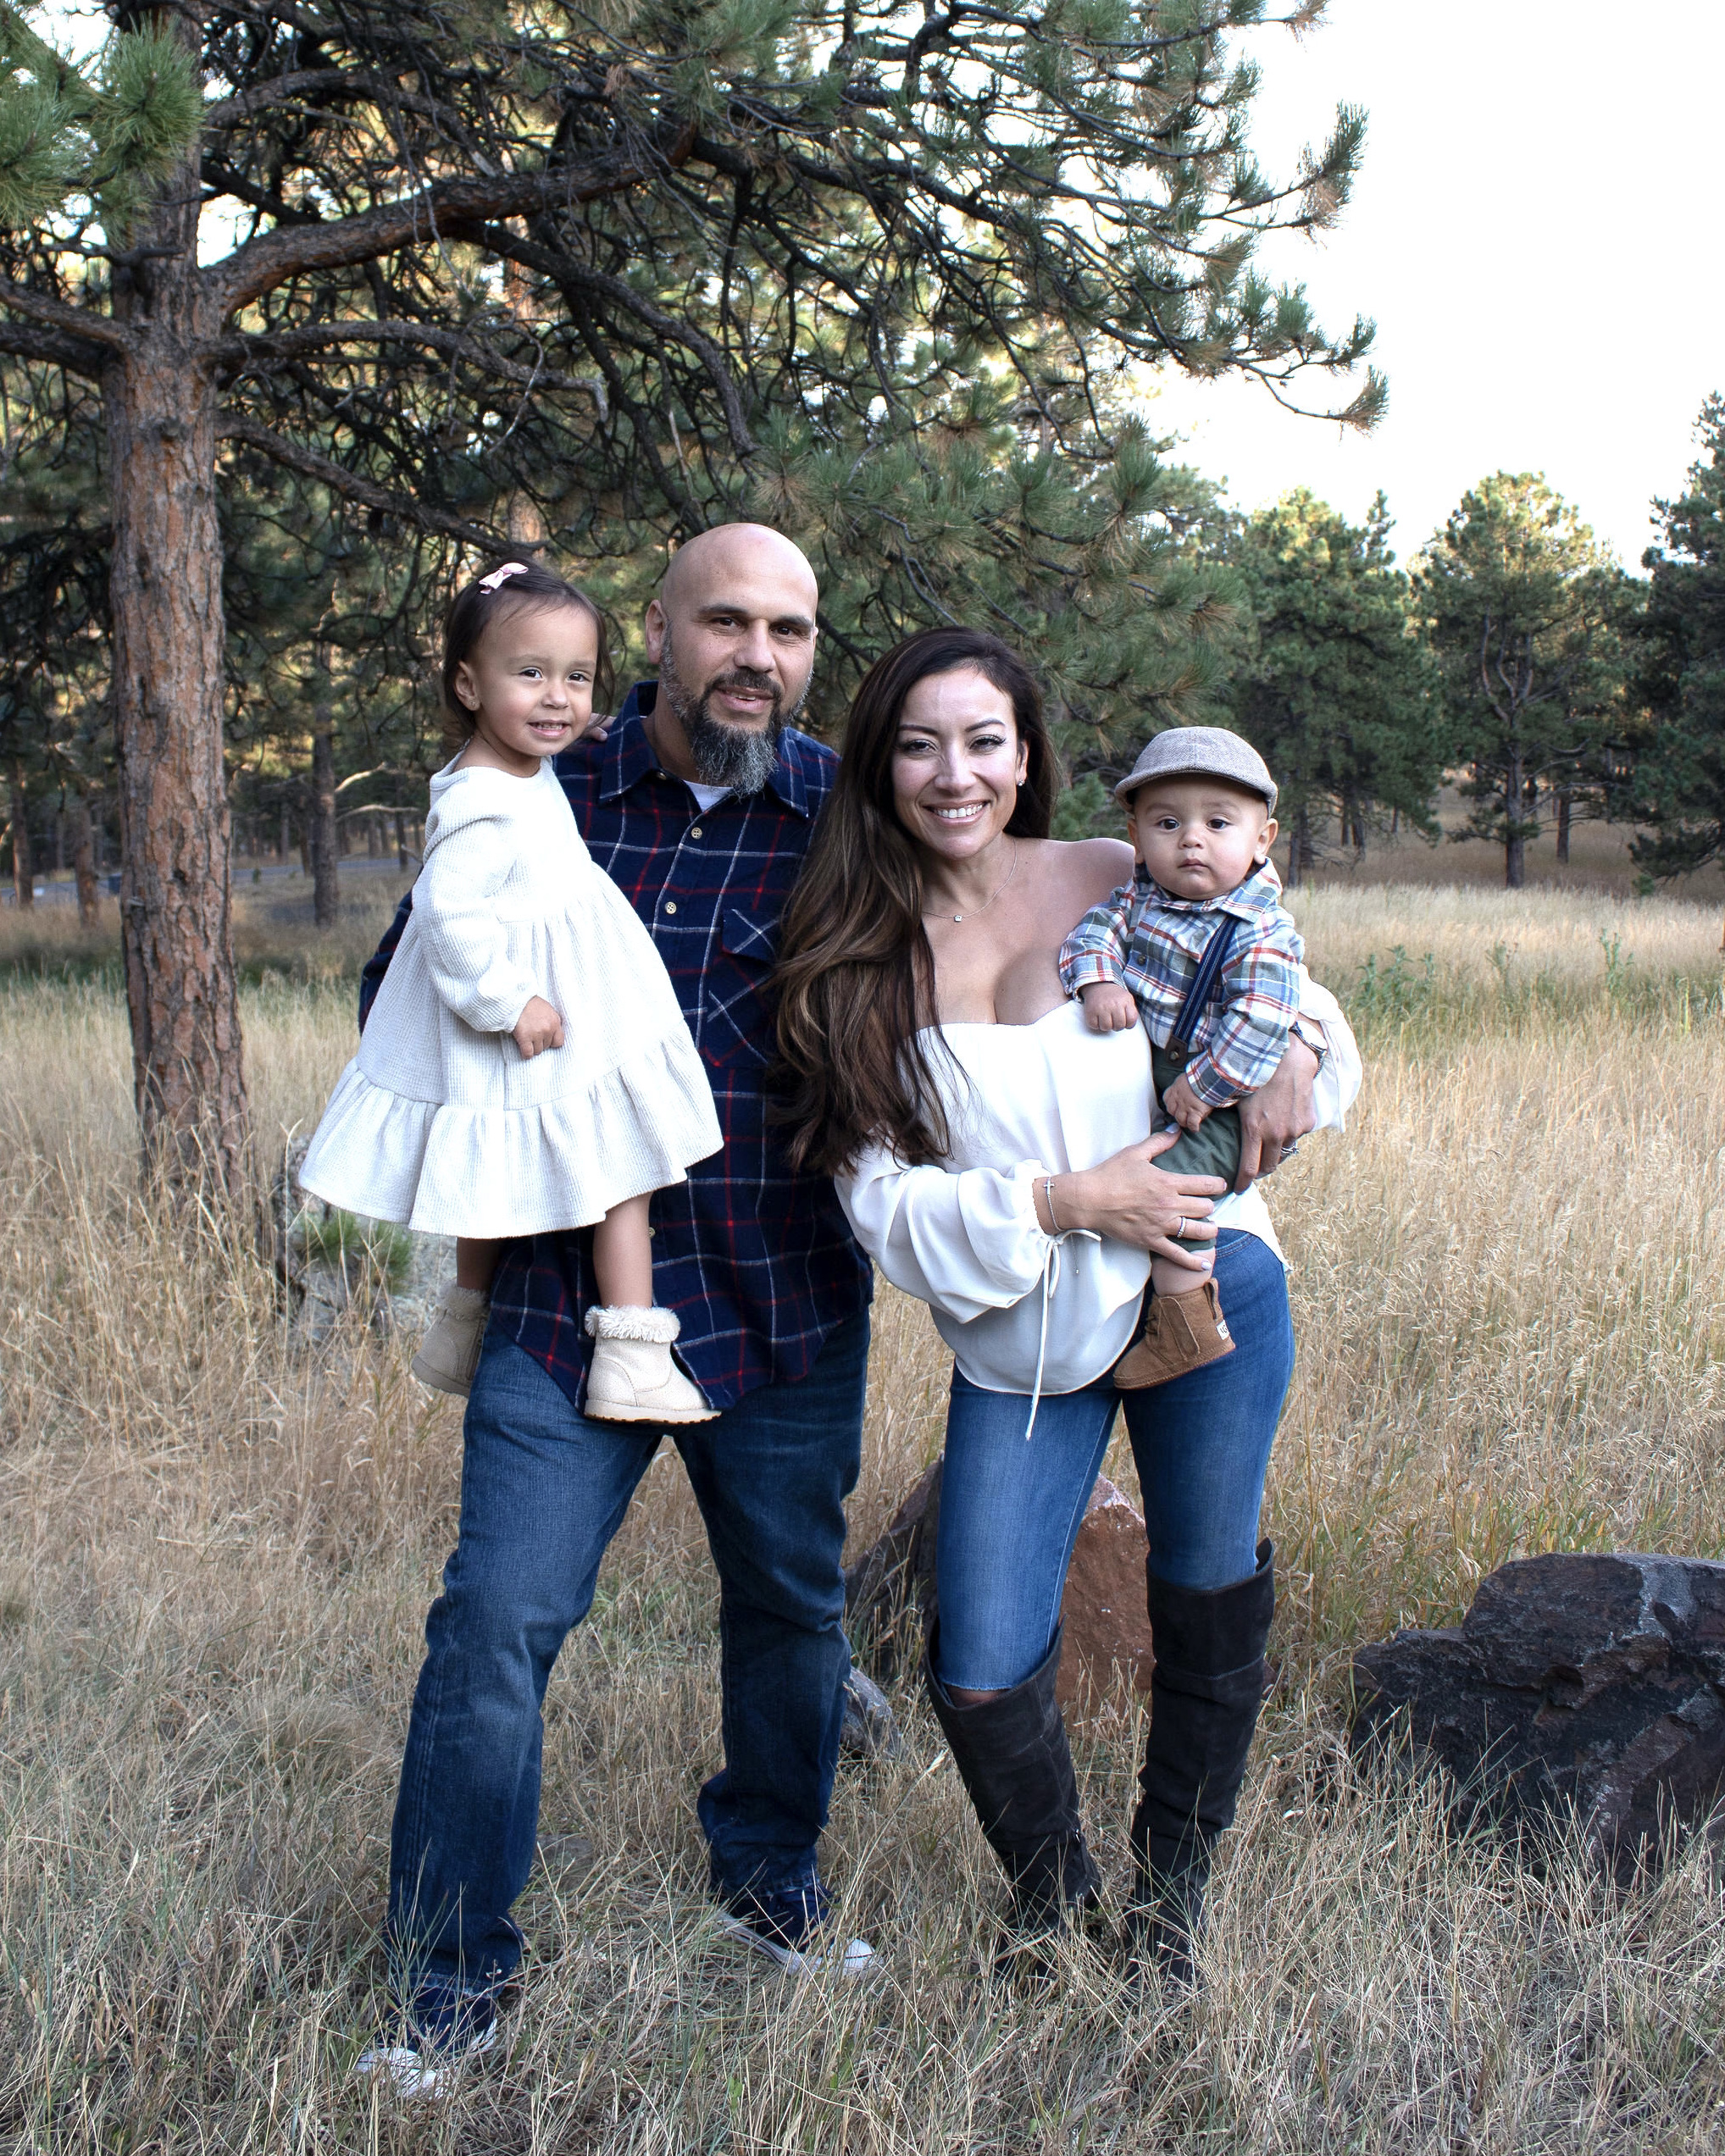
{"x": 1679, "y": 786}
{"x": 1333, "y": 684}
{"x": 1527, "y": 614}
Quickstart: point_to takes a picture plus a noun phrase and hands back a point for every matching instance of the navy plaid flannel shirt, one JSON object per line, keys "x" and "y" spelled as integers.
{"x": 758, "y": 1262}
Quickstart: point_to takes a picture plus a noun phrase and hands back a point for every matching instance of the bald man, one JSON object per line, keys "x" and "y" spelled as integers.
{"x": 698, "y": 799}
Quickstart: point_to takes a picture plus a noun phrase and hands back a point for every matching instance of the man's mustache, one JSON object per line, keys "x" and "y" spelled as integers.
{"x": 742, "y": 678}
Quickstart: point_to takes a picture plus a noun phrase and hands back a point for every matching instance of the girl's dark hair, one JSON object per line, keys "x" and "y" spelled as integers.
{"x": 856, "y": 974}
{"x": 474, "y": 609}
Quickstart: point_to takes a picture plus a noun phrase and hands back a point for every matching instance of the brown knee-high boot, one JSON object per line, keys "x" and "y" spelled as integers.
{"x": 1205, "y": 1692}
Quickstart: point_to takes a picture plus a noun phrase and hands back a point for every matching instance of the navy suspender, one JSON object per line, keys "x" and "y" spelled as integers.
{"x": 1205, "y": 983}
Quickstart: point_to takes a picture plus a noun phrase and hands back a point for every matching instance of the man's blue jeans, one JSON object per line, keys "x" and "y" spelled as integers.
{"x": 543, "y": 1490}
{"x": 1010, "y": 1511}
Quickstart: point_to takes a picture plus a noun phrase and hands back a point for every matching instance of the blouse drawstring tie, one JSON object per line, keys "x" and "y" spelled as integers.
{"x": 1051, "y": 1282}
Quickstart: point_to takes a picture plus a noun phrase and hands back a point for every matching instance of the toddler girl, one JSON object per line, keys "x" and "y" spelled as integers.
{"x": 526, "y": 1066}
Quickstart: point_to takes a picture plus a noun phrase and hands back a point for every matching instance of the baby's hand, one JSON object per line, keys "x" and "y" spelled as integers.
{"x": 1108, "y": 1007}
{"x": 1183, "y": 1105}
{"x": 537, "y": 1028}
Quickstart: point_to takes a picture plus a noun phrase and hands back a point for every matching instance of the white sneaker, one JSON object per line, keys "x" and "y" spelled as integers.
{"x": 449, "y": 1354}
{"x": 820, "y": 1956}
{"x": 428, "y": 2066}
{"x": 633, "y": 1378}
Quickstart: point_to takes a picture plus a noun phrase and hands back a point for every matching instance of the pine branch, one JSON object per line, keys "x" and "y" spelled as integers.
{"x": 433, "y": 213}
{"x": 284, "y": 89}
{"x": 83, "y": 324}
{"x": 566, "y": 270}
{"x": 237, "y": 427}
{"x": 79, "y": 355}
{"x": 248, "y": 353}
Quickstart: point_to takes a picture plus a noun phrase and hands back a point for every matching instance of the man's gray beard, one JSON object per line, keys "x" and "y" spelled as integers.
{"x": 741, "y": 758}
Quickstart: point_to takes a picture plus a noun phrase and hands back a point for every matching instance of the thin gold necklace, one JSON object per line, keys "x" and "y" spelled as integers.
{"x": 987, "y": 902}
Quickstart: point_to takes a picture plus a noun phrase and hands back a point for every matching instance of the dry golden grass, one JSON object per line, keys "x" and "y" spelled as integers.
{"x": 217, "y": 1546}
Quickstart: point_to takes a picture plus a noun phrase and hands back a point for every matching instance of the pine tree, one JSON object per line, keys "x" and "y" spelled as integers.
{"x": 53, "y": 570}
{"x": 1526, "y": 613}
{"x": 612, "y": 276}
{"x": 1333, "y": 683}
{"x": 1678, "y": 784}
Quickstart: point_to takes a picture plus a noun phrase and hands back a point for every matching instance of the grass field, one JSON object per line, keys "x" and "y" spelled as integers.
{"x": 217, "y": 1546}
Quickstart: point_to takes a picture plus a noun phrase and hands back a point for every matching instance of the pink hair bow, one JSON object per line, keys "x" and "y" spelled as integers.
{"x": 509, "y": 568}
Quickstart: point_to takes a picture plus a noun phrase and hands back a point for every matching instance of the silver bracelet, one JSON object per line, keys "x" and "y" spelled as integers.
{"x": 1048, "y": 1199}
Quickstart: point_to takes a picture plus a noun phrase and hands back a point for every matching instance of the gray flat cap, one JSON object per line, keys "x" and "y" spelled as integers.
{"x": 1210, "y": 751}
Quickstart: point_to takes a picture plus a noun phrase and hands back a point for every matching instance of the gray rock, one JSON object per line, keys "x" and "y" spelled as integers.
{"x": 870, "y": 1729}
{"x": 1586, "y": 1685}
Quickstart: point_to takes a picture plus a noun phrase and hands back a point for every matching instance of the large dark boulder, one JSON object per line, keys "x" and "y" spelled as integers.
{"x": 1575, "y": 1684}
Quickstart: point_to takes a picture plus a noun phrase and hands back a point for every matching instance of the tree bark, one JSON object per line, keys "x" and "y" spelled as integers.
{"x": 326, "y": 890}
{"x": 1564, "y": 805}
{"x": 160, "y": 400}
{"x": 23, "y": 866}
{"x": 1299, "y": 848}
{"x": 1515, "y": 848}
{"x": 84, "y": 861}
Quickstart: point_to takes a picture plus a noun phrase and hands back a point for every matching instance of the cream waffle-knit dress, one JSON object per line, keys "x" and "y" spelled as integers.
{"x": 440, "y": 1121}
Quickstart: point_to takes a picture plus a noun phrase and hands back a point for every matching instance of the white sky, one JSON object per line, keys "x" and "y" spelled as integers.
{"x": 1536, "y": 229}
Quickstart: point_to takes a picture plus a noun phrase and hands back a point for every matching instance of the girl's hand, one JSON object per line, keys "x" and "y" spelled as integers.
{"x": 537, "y": 1028}
{"x": 1131, "y": 1199}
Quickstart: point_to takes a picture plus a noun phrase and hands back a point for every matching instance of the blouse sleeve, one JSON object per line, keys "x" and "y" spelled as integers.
{"x": 966, "y": 1240}
{"x": 465, "y": 945}
{"x": 1336, "y": 1085}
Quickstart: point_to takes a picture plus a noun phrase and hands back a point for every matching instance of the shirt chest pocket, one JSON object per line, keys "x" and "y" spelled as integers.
{"x": 736, "y": 1019}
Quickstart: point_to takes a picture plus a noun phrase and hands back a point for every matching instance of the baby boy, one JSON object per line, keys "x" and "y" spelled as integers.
{"x": 1198, "y": 945}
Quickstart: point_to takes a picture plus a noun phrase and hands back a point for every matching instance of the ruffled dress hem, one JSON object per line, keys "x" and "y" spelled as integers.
{"x": 442, "y": 1169}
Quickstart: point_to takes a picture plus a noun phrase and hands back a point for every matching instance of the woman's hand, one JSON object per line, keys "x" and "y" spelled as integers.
{"x": 1274, "y": 1119}
{"x": 537, "y": 1028}
{"x": 1131, "y": 1199}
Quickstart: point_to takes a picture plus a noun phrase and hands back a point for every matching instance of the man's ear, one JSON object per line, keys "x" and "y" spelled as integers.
{"x": 1272, "y": 830}
{"x": 654, "y": 625}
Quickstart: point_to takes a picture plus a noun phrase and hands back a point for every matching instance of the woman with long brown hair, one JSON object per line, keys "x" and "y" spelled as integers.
{"x": 995, "y": 1158}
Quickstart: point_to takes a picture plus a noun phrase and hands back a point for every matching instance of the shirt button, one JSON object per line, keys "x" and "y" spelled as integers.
{"x": 670, "y": 906}
{"x": 696, "y": 832}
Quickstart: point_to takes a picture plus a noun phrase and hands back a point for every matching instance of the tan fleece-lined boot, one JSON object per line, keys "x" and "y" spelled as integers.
{"x": 633, "y": 1378}
{"x": 1181, "y": 1333}
{"x": 449, "y": 1354}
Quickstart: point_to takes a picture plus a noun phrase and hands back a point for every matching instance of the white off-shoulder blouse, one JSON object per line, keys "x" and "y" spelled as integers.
{"x": 1024, "y": 1102}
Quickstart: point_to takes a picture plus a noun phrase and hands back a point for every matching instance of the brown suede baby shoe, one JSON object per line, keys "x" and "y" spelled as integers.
{"x": 1181, "y": 1333}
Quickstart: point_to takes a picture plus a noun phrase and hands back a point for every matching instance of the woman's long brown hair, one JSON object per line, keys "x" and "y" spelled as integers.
{"x": 856, "y": 974}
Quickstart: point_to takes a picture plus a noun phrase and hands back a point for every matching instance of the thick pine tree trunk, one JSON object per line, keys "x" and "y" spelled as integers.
{"x": 168, "y": 636}
{"x": 23, "y": 864}
{"x": 1565, "y": 807}
{"x": 84, "y": 859}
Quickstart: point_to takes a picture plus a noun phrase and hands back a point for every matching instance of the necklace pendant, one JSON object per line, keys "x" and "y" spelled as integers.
{"x": 957, "y": 917}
